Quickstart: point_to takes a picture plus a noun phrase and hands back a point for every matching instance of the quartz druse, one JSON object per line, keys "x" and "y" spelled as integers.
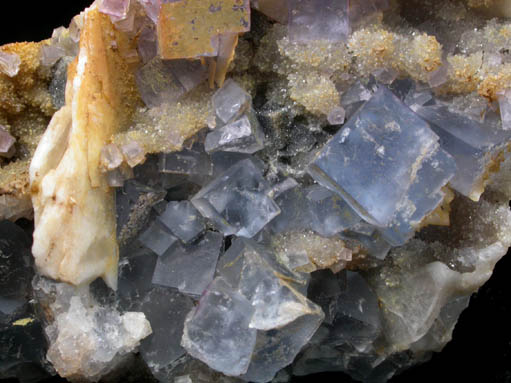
{"x": 200, "y": 191}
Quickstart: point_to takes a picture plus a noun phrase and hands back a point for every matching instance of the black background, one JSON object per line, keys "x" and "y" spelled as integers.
{"x": 481, "y": 349}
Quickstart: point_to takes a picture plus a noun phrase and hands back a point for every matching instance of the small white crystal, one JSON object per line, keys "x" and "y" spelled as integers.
{"x": 9, "y": 63}
{"x": 88, "y": 340}
{"x": 111, "y": 157}
{"x": 336, "y": 116}
{"x": 439, "y": 76}
{"x": 7, "y": 142}
{"x": 133, "y": 153}
{"x": 385, "y": 75}
{"x": 183, "y": 379}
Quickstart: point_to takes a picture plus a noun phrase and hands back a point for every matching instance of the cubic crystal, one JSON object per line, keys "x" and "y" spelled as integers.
{"x": 183, "y": 220}
{"x": 161, "y": 81}
{"x": 217, "y": 331}
{"x": 157, "y": 238}
{"x": 272, "y": 289}
{"x": 111, "y": 157}
{"x": 189, "y": 268}
{"x": 188, "y": 161}
{"x": 9, "y": 63}
{"x": 237, "y": 202}
{"x": 230, "y": 102}
{"x": 311, "y": 20}
{"x": 7, "y": 142}
{"x": 166, "y": 310}
{"x": 242, "y": 136}
{"x": 378, "y": 149}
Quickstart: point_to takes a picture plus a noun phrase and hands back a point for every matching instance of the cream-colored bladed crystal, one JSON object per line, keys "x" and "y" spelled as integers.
{"x": 75, "y": 227}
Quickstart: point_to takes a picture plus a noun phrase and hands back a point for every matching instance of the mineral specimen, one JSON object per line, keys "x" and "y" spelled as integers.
{"x": 235, "y": 190}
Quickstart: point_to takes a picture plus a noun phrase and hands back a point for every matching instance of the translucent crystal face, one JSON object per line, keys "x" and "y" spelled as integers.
{"x": 312, "y": 20}
{"x": 9, "y": 63}
{"x": 308, "y": 196}
{"x": 378, "y": 149}
{"x": 237, "y": 201}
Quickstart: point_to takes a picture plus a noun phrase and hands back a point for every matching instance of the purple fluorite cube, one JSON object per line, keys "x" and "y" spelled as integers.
{"x": 311, "y": 20}
{"x": 117, "y": 9}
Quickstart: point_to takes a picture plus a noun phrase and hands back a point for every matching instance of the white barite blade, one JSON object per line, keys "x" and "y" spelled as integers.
{"x": 75, "y": 229}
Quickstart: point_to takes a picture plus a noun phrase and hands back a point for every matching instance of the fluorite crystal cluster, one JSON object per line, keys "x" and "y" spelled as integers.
{"x": 240, "y": 190}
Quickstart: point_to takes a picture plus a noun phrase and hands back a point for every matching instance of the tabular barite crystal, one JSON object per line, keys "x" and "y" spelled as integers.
{"x": 190, "y": 28}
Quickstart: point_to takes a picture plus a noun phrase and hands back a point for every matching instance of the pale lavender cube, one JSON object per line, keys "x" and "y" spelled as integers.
{"x": 188, "y": 161}
{"x": 217, "y": 331}
{"x": 370, "y": 161}
{"x": 7, "y": 142}
{"x": 312, "y": 20}
{"x": 165, "y": 81}
{"x": 157, "y": 238}
{"x": 424, "y": 196}
{"x": 9, "y": 63}
{"x": 183, "y": 220}
{"x": 152, "y": 9}
{"x": 118, "y": 9}
{"x": 241, "y": 136}
{"x": 237, "y": 201}
{"x": 230, "y": 102}
{"x": 328, "y": 214}
{"x": 471, "y": 143}
{"x": 189, "y": 268}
